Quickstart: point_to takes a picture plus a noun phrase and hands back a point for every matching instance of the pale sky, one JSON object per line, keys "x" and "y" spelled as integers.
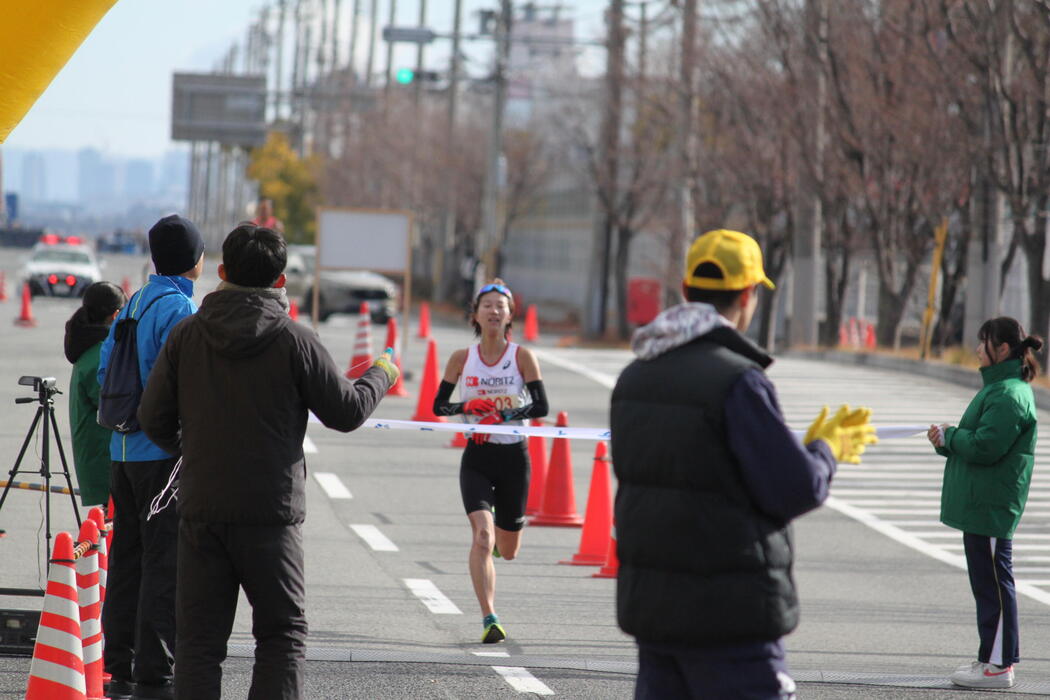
{"x": 115, "y": 92}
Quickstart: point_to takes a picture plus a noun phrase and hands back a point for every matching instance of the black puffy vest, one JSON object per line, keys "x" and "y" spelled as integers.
{"x": 699, "y": 564}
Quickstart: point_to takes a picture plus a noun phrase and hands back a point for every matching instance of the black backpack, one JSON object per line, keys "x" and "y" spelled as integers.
{"x": 118, "y": 399}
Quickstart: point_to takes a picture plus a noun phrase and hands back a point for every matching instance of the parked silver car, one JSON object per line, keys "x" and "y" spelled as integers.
{"x": 341, "y": 291}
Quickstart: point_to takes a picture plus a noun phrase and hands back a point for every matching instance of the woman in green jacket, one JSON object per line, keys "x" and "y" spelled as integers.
{"x": 986, "y": 478}
{"x": 85, "y": 331}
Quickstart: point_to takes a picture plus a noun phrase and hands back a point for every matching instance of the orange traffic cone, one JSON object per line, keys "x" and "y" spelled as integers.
{"x": 428, "y": 387}
{"x": 3, "y": 286}
{"x": 109, "y": 523}
{"x": 594, "y": 545}
{"x": 460, "y": 440}
{"x": 26, "y": 319}
{"x": 843, "y": 335}
{"x": 612, "y": 562}
{"x": 391, "y": 342}
{"x": 57, "y": 669}
{"x": 869, "y": 337}
{"x": 99, "y": 517}
{"x": 538, "y": 469}
{"x": 90, "y": 609}
{"x": 532, "y": 326}
{"x": 293, "y": 310}
{"x": 424, "y": 320}
{"x": 362, "y": 357}
{"x": 559, "y": 494}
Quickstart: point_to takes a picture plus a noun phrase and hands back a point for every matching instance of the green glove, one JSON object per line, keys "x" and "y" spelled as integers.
{"x": 847, "y": 433}
{"x": 386, "y": 363}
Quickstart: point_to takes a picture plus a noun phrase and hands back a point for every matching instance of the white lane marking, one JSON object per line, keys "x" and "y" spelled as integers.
{"x": 522, "y": 681}
{"x": 606, "y": 380}
{"x": 430, "y": 596}
{"x": 909, "y": 540}
{"x": 308, "y": 445}
{"x": 332, "y": 485}
{"x": 374, "y": 538}
{"x": 501, "y": 654}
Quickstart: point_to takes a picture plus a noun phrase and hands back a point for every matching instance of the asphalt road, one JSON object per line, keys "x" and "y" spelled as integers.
{"x": 886, "y": 608}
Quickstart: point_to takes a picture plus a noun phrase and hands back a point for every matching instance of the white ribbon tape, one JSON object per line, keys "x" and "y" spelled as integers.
{"x": 885, "y": 432}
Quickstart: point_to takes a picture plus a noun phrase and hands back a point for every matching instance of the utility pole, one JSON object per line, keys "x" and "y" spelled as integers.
{"x": 370, "y": 62}
{"x": 333, "y": 60}
{"x": 390, "y": 52}
{"x": 682, "y": 221}
{"x": 355, "y": 18}
{"x": 643, "y": 42}
{"x": 278, "y": 91}
{"x": 419, "y": 58}
{"x": 806, "y": 252}
{"x": 609, "y": 149}
{"x": 438, "y": 272}
{"x": 489, "y": 242}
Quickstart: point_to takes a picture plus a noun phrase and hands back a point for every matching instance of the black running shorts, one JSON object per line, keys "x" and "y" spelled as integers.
{"x": 496, "y": 476}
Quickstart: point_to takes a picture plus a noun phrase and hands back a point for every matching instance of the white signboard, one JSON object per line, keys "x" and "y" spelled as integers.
{"x": 366, "y": 239}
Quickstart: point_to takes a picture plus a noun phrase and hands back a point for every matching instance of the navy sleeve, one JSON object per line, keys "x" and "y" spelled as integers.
{"x": 784, "y": 477}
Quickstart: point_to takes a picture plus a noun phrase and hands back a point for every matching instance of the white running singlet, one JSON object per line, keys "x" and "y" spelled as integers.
{"x": 502, "y": 382}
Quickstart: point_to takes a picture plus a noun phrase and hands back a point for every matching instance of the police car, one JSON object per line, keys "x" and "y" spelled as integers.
{"x": 63, "y": 269}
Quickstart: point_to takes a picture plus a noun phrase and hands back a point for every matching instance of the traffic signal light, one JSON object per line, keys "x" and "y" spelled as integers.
{"x": 405, "y": 76}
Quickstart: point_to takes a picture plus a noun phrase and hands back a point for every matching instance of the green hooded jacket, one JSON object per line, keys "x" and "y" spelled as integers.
{"x": 990, "y": 455}
{"x": 90, "y": 440}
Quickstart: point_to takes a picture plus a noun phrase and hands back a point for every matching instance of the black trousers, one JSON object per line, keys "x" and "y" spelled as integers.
{"x": 755, "y": 671}
{"x": 989, "y": 560}
{"x": 215, "y": 560}
{"x": 138, "y": 617}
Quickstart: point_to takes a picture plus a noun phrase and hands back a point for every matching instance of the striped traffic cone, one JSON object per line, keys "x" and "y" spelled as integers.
{"x": 57, "y": 669}
{"x": 90, "y": 609}
{"x": 97, "y": 515}
{"x": 362, "y": 357}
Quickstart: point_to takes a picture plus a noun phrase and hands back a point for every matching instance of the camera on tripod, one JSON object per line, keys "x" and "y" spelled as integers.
{"x": 45, "y": 387}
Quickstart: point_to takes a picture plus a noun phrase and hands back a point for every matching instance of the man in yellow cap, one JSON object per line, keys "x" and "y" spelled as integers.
{"x": 710, "y": 477}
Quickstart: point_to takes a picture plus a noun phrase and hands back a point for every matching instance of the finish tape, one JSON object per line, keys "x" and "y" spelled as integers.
{"x": 885, "y": 432}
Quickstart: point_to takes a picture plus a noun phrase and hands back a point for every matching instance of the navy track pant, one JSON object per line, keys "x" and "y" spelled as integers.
{"x": 989, "y": 561}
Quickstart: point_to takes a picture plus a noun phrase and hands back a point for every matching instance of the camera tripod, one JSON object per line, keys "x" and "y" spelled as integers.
{"x": 45, "y": 419}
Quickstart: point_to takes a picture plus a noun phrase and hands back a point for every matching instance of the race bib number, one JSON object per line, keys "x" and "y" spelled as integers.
{"x": 504, "y": 402}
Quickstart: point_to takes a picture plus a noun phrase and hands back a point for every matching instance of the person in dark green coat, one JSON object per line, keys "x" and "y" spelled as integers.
{"x": 85, "y": 331}
{"x": 986, "y": 478}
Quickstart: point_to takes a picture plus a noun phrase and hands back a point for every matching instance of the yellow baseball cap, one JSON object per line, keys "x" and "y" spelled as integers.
{"x": 736, "y": 254}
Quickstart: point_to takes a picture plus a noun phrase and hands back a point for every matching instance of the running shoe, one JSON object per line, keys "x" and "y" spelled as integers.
{"x": 982, "y": 675}
{"x": 494, "y": 634}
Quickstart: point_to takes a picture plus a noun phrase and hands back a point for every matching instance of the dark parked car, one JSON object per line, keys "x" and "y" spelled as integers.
{"x": 341, "y": 291}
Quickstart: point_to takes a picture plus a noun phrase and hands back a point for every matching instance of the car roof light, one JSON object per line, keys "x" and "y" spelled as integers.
{"x": 50, "y": 239}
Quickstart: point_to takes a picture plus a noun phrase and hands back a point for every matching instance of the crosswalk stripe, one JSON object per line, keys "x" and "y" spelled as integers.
{"x": 430, "y": 596}
{"x": 374, "y": 538}
{"x": 522, "y": 681}
{"x": 332, "y": 485}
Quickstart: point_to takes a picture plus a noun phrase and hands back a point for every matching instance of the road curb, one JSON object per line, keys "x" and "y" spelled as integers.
{"x": 950, "y": 373}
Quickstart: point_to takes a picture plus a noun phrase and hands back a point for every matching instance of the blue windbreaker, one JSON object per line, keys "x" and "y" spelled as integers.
{"x": 153, "y": 330}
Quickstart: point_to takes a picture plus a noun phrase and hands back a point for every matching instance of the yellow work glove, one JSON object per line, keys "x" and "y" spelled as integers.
{"x": 386, "y": 363}
{"x": 847, "y": 433}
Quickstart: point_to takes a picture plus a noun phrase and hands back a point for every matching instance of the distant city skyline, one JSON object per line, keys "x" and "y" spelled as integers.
{"x": 114, "y": 95}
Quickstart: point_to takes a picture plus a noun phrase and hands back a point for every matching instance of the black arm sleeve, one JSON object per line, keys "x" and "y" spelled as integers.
{"x": 442, "y": 407}
{"x": 536, "y": 409}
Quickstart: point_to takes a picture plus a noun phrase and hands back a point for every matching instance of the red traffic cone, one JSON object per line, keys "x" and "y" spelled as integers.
{"x": 594, "y": 544}
{"x": 293, "y": 310}
{"x": 126, "y": 286}
{"x": 843, "y": 336}
{"x": 612, "y": 562}
{"x": 57, "y": 669}
{"x": 428, "y": 387}
{"x": 559, "y": 494}
{"x": 460, "y": 440}
{"x": 3, "y": 286}
{"x": 398, "y": 389}
{"x": 362, "y": 357}
{"x": 99, "y": 518}
{"x": 424, "y": 320}
{"x": 90, "y": 609}
{"x": 532, "y": 326}
{"x": 109, "y": 523}
{"x": 26, "y": 319}
{"x": 538, "y": 468}
{"x": 869, "y": 337}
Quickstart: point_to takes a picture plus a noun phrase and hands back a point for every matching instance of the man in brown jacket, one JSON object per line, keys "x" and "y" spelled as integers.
{"x": 230, "y": 392}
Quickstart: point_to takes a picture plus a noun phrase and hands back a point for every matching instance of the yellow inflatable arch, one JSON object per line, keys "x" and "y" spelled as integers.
{"x": 37, "y": 38}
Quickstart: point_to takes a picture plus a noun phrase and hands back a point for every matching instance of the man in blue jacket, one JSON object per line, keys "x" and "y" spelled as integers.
{"x": 139, "y": 614}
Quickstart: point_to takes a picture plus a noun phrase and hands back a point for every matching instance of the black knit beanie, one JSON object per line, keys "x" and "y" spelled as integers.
{"x": 175, "y": 245}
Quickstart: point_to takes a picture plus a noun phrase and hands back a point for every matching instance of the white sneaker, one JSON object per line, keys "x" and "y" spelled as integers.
{"x": 982, "y": 675}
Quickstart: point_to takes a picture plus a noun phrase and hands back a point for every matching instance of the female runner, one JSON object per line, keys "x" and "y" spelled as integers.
{"x": 499, "y": 383}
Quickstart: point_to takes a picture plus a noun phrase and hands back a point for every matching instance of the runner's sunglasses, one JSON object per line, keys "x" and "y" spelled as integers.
{"x": 495, "y": 288}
